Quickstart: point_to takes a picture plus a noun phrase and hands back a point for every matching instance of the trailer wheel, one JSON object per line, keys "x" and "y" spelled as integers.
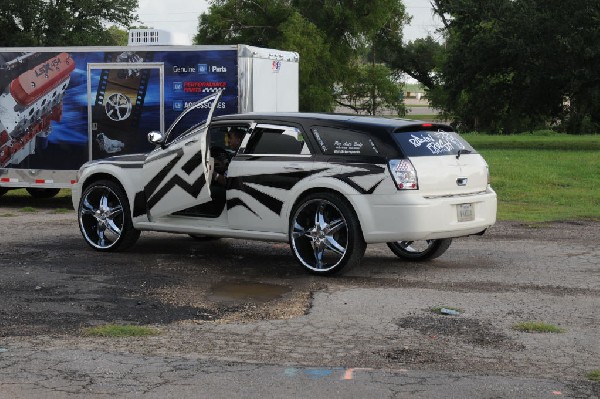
{"x": 42, "y": 192}
{"x": 105, "y": 217}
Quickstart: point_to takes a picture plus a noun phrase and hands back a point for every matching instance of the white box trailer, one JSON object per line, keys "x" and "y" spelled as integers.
{"x": 61, "y": 107}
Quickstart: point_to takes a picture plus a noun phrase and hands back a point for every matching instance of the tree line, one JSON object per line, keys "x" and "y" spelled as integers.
{"x": 65, "y": 22}
{"x": 501, "y": 66}
{"x": 518, "y": 65}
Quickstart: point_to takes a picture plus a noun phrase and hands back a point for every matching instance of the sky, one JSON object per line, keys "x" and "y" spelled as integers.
{"x": 181, "y": 17}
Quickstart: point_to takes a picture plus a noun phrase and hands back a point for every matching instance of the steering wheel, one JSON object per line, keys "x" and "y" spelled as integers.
{"x": 221, "y": 158}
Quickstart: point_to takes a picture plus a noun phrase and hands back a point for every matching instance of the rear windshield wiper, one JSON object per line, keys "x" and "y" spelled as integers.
{"x": 463, "y": 151}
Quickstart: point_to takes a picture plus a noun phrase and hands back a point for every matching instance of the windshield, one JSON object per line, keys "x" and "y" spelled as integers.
{"x": 428, "y": 143}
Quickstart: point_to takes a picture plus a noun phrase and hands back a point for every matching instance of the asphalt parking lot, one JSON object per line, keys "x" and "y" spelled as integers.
{"x": 236, "y": 303}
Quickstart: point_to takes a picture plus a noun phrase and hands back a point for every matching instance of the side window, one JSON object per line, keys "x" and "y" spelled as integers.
{"x": 271, "y": 139}
{"x": 335, "y": 141}
{"x": 228, "y": 138}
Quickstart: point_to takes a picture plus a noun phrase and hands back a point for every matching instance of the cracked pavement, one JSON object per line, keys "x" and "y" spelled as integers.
{"x": 369, "y": 333}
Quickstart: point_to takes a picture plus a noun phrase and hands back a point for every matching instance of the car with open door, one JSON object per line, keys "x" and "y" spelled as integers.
{"x": 326, "y": 184}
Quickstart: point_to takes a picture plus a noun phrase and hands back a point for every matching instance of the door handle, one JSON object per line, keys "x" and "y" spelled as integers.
{"x": 191, "y": 142}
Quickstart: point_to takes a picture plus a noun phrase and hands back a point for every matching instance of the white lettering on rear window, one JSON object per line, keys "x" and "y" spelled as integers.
{"x": 437, "y": 142}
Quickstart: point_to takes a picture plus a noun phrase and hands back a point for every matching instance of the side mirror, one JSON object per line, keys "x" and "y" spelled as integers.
{"x": 155, "y": 138}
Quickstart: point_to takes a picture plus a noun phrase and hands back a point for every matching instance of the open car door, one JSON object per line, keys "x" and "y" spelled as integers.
{"x": 176, "y": 173}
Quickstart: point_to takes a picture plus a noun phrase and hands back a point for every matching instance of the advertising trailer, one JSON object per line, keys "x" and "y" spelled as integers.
{"x": 61, "y": 107}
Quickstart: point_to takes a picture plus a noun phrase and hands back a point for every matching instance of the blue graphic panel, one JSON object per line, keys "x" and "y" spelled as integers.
{"x": 126, "y": 103}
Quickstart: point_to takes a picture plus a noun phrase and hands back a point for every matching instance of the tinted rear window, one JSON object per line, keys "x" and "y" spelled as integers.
{"x": 335, "y": 141}
{"x": 426, "y": 143}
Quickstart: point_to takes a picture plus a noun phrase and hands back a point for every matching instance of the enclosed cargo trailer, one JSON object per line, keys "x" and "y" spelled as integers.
{"x": 61, "y": 107}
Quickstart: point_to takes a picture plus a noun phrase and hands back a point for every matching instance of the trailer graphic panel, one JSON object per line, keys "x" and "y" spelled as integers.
{"x": 43, "y": 110}
{"x": 62, "y": 107}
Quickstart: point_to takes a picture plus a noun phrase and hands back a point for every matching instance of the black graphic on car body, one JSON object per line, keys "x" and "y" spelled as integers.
{"x": 327, "y": 184}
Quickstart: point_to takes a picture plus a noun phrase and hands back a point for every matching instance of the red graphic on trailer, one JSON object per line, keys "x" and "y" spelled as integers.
{"x": 204, "y": 87}
{"x": 31, "y": 94}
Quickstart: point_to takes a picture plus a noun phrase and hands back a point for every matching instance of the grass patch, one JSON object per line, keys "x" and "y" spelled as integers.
{"x": 62, "y": 210}
{"x": 21, "y": 192}
{"x": 28, "y": 209}
{"x": 438, "y": 309}
{"x": 537, "y": 327}
{"x": 543, "y": 177}
{"x": 545, "y": 185}
{"x": 20, "y": 198}
{"x": 542, "y": 140}
{"x": 7, "y": 215}
{"x": 115, "y": 330}
{"x": 594, "y": 375}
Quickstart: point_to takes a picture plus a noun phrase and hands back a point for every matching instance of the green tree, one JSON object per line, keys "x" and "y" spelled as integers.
{"x": 371, "y": 89}
{"x": 514, "y": 65}
{"x": 117, "y": 36}
{"x": 302, "y": 36}
{"x": 20, "y": 22}
{"x": 329, "y": 35}
{"x": 274, "y": 24}
{"x": 419, "y": 59}
{"x": 63, "y": 22}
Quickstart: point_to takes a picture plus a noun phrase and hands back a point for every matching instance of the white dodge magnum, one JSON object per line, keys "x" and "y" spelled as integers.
{"x": 327, "y": 184}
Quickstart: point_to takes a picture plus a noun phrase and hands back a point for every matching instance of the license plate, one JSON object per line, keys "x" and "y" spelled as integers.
{"x": 466, "y": 213}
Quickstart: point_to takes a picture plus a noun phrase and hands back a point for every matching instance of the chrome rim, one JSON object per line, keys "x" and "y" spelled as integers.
{"x": 415, "y": 247}
{"x": 101, "y": 217}
{"x": 319, "y": 235}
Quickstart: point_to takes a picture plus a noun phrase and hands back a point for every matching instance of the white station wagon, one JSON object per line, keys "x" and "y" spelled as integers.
{"x": 327, "y": 184}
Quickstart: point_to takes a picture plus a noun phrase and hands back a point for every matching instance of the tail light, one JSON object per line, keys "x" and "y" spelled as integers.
{"x": 404, "y": 174}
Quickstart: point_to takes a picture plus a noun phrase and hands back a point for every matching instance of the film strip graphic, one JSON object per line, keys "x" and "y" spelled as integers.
{"x": 119, "y": 103}
{"x": 132, "y": 84}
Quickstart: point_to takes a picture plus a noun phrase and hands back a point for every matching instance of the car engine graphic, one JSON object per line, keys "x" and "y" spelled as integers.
{"x": 32, "y": 86}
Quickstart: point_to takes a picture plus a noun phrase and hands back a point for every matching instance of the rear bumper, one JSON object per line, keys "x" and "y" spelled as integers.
{"x": 409, "y": 216}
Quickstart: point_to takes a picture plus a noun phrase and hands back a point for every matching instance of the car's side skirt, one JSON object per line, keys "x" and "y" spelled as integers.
{"x": 212, "y": 231}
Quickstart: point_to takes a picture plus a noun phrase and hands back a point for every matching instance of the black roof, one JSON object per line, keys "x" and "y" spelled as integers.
{"x": 378, "y": 128}
{"x": 350, "y": 121}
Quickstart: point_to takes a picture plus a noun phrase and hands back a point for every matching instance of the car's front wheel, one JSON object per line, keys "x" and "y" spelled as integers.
{"x": 325, "y": 234}
{"x": 104, "y": 217}
{"x": 419, "y": 250}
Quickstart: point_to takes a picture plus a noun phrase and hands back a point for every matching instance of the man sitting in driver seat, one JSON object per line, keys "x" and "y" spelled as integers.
{"x": 233, "y": 140}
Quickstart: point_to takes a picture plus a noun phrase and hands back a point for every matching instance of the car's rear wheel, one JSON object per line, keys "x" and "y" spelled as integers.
{"x": 325, "y": 234}
{"x": 3, "y": 191}
{"x": 420, "y": 250}
{"x": 104, "y": 217}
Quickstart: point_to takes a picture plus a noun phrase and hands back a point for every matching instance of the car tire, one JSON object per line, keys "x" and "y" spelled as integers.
{"x": 325, "y": 235}
{"x": 418, "y": 251}
{"x": 105, "y": 218}
{"x": 3, "y": 191}
{"x": 43, "y": 193}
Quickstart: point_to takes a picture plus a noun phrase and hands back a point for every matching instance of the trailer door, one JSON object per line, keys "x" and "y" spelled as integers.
{"x": 275, "y": 85}
{"x": 119, "y": 94}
